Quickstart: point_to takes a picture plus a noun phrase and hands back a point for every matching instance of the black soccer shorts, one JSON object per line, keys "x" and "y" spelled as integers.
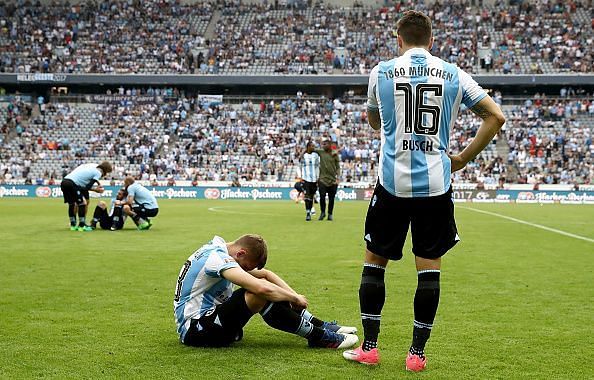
{"x": 145, "y": 212}
{"x": 222, "y": 326}
{"x": 432, "y": 222}
{"x": 310, "y": 189}
{"x": 72, "y": 193}
{"x": 106, "y": 221}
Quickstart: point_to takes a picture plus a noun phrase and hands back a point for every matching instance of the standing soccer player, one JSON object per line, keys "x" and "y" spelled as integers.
{"x": 328, "y": 181}
{"x": 414, "y": 99}
{"x": 310, "y": 172}
{"x": 141, "y": 204}
{"x": 75, "y": 188}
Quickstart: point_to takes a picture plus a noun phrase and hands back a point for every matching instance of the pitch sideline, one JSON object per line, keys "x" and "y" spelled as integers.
{"x": 529, "y": 224}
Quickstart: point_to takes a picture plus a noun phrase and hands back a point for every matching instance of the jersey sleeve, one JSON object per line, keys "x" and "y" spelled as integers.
{"x": 131, "y": 191}
{"x": 472, "y": 92}
{"x": 217, "y": 262}
{"x": 371, "y": 97}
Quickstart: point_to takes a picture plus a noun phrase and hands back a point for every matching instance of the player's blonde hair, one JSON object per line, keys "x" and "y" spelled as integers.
{"x": 255, "y": 245}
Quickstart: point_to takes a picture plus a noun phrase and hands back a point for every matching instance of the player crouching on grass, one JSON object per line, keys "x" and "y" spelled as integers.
{"x": 140, "y": 205}
{"x": 112, "y": 220}
{"x": 209, "y": 313}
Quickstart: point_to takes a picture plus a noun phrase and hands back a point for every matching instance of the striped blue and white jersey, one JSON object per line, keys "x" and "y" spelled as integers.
{"x": 200, "y": 285}
{"x": 85, "y": 175}
{"x": 142, "y": 196}
{"x": 418, "y": 97}
{"x": 310, "y": 167}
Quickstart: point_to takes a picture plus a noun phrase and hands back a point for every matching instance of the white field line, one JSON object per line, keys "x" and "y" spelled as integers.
{"x": 529, "y": 224}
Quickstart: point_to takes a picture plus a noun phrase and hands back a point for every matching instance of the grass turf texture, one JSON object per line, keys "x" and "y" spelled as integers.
{"x": 516, "y": 300}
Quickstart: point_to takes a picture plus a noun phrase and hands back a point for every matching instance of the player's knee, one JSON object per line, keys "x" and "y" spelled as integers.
{"x": 254, "y": 302}
{"x": 102, "y": 205}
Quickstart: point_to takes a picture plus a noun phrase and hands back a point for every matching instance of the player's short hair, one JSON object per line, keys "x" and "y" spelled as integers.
{"x": 128, "y": 181}
{"x": 415, "y": 28}
{"x": 105, "y": 166}
{"x": 254, "y": 245}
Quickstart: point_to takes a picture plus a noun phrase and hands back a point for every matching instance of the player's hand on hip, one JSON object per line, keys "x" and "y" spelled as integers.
{"x": 457, "y": 162}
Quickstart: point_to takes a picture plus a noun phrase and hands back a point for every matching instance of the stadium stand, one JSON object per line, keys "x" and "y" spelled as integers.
{"x": 230, "y": 37}
{"x": 546, "y": 140}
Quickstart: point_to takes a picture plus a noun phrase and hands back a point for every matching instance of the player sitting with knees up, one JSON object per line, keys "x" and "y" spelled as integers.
{"x": 209, "y": 313}
{"x": 112, "y": 220}
{"x": 140, "y": 205}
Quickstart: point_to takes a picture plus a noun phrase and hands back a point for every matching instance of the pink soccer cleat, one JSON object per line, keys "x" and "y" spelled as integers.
{"x": 370, "y": 357}
{"x": 415, "y": 363}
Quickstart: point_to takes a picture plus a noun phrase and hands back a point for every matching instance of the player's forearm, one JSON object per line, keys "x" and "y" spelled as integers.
{"x": 373, "y": 118}
{"x": 484, "y": 135}
{"x": 275, "y": 293}
{"x": 276, "y": 280}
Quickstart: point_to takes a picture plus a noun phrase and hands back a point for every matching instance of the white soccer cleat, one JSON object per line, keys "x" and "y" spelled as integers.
{"x": 335, "y": 327}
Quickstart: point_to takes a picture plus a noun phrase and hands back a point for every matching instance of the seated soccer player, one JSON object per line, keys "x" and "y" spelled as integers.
{"x": 112, "y": 220}
{"x": 209, "y": 313}
{"x": 140, "y": 205}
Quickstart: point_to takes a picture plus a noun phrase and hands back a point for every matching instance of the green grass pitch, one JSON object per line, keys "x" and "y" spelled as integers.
{"x": 517, "y": 301}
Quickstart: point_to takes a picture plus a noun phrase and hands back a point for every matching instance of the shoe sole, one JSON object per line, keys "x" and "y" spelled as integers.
{"x": 353, "y": 359}
{"x": 347, "y": 330}
{"x": 413, "y": 370}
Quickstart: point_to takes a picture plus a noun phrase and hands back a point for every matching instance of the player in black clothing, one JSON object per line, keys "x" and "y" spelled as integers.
{"x": 112, "y": 220}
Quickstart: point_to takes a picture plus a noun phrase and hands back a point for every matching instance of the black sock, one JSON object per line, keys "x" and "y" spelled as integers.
{"x": 117, "y": 214}
{"x": 308, "y": 204}
{"x": 280, "y": 316}
{"x": 81, "y": 215}
{"x": 425, "y": 305}
{"x": 372, "y": 294}
{"x": 72, "y": 214}
{"x": 135, "y": 218}
{"x": 310, "y": 318}
{"x": 96, "y": 215}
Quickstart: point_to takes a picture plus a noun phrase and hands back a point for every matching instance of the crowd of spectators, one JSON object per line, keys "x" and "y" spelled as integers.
{"x": 170, "y": 36}
{"x": 549, "y": 33}
{"x": 550, "y": 140}
{"x": 177, "y": 137}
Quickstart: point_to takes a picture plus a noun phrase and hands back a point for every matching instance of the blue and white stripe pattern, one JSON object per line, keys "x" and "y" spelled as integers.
{"x": 310, "y": 167}
{"x": 201, "y": 286}
{"x": 416, "y": 164}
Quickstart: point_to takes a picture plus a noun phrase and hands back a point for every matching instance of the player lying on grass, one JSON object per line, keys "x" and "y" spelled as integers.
{"x": 112, "y": 220}
{"x": 209, "y": 313}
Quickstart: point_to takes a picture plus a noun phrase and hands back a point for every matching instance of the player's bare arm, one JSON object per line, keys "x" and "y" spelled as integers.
{"x": 272, "y": 277}
{"x": 263, "y": 288}
{"x": 493, "y": 120}
{"x": 373, "y": 118}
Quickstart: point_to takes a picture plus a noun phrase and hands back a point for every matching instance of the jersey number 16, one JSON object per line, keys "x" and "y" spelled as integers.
{"x": 415, "y": 109}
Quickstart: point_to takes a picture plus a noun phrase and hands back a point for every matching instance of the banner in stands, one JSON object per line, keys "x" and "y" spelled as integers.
{"x": 207, "y": 100}
{"x": 41, "y": 77}
{"x": 286, "y": 193}
{"x": 117, "y": 99}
